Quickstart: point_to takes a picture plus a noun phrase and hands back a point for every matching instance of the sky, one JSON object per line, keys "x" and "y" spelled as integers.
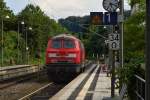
{"x": 61, "y": 8}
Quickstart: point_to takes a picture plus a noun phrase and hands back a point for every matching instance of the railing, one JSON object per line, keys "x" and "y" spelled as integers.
{"x": 16, "y": 71}
{"x": 140, "y": 88}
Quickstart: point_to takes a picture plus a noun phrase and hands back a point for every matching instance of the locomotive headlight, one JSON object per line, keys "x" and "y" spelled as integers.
{"x": 52, "y": 55}
{"x": 72, "y": 55}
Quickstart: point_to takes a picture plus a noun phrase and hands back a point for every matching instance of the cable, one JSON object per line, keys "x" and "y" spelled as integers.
{"x": 46, "y": 3}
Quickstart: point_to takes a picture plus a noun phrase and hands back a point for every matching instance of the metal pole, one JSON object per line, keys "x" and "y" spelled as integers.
{"x": 18, "y": 42}
{"x": 113, "y": 75}
{"x": 121, "y": 27}
{"x": 147, "y": 94}
{"x": 26, "y": 47}
{"x": 121, "y": 31}
{"x": 2, "y": 43}
{"x": 113, "y": 69}
{"x": 21, "y": 46}
{"x": 22, "y": 51}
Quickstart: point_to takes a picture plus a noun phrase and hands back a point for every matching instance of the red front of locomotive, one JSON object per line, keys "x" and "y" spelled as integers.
{"x": 64, "y": 53}
{"x": 63, "y": 50}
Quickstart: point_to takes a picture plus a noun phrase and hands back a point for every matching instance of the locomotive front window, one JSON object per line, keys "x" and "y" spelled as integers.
{"x": 69, "y": 44}
{"x": 56, "y": 44}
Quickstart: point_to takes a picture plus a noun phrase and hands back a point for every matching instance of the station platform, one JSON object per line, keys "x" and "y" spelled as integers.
{"x": 93, "y": 84}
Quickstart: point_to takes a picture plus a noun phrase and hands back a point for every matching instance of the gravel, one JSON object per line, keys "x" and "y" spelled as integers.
{"x": 19, "y": 90}
{"x": 23, "y": 88}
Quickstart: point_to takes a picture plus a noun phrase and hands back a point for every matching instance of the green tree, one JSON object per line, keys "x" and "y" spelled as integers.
{"x": 93, "y": 42}
{"x": 134, "y": 47}
{"x": 134, "y": 41}
{"x": 43, "y": 27}
{"x": 8, "y": 24}
{"x": 11, "y": 50}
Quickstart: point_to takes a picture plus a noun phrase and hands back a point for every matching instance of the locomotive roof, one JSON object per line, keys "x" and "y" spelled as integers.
{"x": 64, "y": 36}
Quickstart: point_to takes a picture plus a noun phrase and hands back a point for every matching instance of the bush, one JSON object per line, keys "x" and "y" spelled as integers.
{"x": 126, "y": 75}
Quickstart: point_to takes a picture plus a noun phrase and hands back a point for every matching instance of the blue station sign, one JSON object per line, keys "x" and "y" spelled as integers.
{"x": 107, "y": 18}
{"x": 110, "y": 18}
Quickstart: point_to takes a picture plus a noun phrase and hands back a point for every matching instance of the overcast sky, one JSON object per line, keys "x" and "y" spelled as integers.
{"x": 61, "y": 8}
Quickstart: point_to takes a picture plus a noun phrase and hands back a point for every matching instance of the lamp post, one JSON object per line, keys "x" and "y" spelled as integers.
{"x": 22, "y": 23}
{"x": 26, "y": 43}
{"x": 27, "y": 51}
{"x": 2, "y": 51}
{"x": 22, "y": 46}
{"x": 121, "y": 32}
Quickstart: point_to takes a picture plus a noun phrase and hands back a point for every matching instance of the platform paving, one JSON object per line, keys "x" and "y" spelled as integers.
{"x": 96, "y": 87}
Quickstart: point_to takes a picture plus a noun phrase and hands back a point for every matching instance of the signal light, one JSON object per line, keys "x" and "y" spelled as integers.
{"x": 96, "y": 18}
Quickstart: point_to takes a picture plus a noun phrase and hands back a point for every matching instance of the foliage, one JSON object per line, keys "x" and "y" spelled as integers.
{"x": 42, "y": 26}
{"x": 75, "y": 24}
{"x": 88, "y": 33}
{"x": 10, "y": 47}
{"x": 5, "y": 11}
{"x": 134, "y": 36}
{"x": 96, "y": 44}
{"x": 134, "y": 47}
{"x": 140, "y": 2}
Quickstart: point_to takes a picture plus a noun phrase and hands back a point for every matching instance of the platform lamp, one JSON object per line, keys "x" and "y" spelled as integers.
{"x": 27, "y": 48}
{"x": 22, "y": 23}
{"x": 2, "y": 31}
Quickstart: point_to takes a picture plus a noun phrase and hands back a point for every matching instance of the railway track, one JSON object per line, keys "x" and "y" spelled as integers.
{"x": 21, "y": 87}
{"x": 14, "y": 81}
{"x": 31, "y": 88}
{"x": 44, "y": 93}
{"x": 47, "y": 91}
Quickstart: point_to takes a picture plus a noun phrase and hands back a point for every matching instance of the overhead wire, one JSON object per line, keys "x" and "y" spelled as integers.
{"x": 46, "y": 3}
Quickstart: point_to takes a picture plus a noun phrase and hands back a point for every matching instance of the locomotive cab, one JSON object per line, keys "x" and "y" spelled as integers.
{"x": 64, "y": 54}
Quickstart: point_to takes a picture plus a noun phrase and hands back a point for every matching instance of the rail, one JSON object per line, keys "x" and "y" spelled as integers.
{"x": 140, "y": 88}
{"x": 10, "y": 72}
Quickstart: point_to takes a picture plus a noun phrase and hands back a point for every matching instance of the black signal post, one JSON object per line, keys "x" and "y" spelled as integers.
{"x": 147, "y": 87}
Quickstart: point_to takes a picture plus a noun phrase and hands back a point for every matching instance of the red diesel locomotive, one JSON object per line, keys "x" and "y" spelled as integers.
{"x": 65, "y": 56}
